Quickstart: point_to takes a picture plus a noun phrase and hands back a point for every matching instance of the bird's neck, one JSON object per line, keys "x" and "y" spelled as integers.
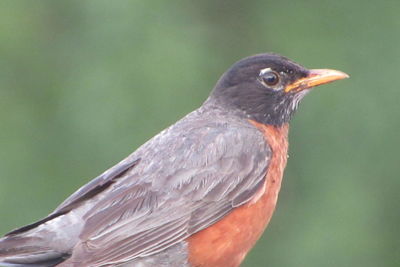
{"x": 276, "y": 112}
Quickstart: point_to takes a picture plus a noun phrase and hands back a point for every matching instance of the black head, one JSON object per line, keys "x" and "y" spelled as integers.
{"x": 268, "y": 87}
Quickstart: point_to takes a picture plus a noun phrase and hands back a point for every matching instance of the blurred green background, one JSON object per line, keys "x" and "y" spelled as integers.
{"x": 84, "y": 83}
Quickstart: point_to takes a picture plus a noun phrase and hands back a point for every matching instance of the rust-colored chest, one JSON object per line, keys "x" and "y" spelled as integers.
{"x": 226, "y": 243}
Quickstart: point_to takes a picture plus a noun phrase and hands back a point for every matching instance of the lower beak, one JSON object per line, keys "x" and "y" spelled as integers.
{"x": 316, "y": 77}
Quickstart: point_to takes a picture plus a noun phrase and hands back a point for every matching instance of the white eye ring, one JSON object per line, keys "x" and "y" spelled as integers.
{"x": 263, "y": 71}
{"x": 269, "y": 77}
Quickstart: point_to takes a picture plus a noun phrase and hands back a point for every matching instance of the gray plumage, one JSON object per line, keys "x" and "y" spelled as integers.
{"x": 181, "y": 181}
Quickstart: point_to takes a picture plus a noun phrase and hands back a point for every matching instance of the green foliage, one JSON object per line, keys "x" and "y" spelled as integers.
{"x": 84, "y": 83}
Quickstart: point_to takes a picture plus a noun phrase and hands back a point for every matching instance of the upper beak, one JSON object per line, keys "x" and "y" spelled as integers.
{"x": 316, "y": 77}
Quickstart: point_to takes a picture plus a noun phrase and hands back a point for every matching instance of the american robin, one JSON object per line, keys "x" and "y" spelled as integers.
{"x": 200, "y": 193}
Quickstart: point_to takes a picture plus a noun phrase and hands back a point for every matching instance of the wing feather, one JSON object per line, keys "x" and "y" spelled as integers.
{"x": 182, "y": 184}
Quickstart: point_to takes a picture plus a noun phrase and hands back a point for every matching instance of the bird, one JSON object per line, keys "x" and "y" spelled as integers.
{"x": 198, "y": 194}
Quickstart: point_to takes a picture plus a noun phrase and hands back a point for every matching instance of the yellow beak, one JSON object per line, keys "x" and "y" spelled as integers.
{"x": 316, "y": 77}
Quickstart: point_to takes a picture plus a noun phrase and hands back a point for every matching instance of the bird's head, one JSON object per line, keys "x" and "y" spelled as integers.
{"x": 268, "y": 87}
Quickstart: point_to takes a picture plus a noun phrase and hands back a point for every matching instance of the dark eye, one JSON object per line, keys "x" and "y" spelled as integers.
{"x": 270, "y": 77}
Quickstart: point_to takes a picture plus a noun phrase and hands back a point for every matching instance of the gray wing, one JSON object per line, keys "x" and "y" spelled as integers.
{"x": 96, "y": 186}
{"x": 86, "y": 192}
{"x": 188, "y": 177}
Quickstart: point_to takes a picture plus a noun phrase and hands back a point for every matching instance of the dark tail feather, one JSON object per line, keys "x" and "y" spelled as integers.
{"x": 28, "y": 251}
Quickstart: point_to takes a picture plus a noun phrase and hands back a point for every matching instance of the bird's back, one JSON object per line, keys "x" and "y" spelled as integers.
{"x": 170, "y": 182}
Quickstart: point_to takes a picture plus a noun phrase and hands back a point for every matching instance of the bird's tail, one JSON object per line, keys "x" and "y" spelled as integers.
{"x": 27, "y": 250}
{"x": 44, "y": 243}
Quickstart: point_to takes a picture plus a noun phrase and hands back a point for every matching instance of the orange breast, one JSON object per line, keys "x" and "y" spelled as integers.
{"x": 226, "y": 243}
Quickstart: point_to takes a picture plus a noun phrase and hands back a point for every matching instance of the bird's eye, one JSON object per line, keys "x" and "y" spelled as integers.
{"x": 269, "y": 77}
